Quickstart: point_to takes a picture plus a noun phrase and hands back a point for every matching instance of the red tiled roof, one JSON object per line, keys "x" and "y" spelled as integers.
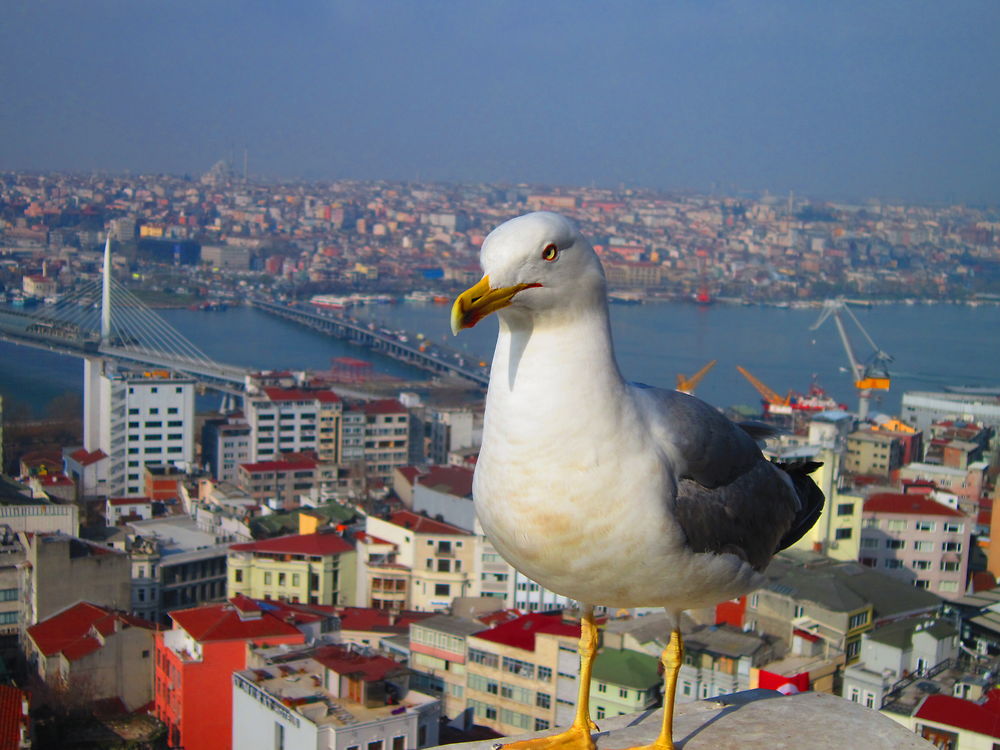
{"x": 72, "y": 631}
{"x": 321, "y": 543}
{"x": 222, "y": 622}
{"x": 343, "y": 661}
{"x": 298, "y": 465}
{"x": 917, "y": 505}
{"x": 55, "y": 478}
{"x": 298, "y": 394}
{"x": 520, "y": 633}
{"x": 368, "y": 618}
{"x": 384, "y": 406}
{"x": 956, "y": 712}
{"x": 129, "y": 501}
{"x": 12, "y": 717}
{"x": 423, "y": 525}
{"x": 85, "y": 458}
{"x": 366, "y": 538}
{"x": 410, "y": 473}
{"x": 455, "y": 480}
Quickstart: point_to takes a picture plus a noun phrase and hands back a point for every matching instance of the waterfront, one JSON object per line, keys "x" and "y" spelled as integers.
{"x": 933, "y": 346}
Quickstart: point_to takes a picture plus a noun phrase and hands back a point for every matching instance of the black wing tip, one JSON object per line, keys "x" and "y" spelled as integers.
{"x": 811, "y": 497}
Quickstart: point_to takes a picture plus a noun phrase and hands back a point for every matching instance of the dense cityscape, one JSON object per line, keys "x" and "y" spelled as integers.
{"x": 309, "y": 556}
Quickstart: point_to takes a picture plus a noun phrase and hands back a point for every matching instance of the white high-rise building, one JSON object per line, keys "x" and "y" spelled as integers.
{"x": 137, "y": 418}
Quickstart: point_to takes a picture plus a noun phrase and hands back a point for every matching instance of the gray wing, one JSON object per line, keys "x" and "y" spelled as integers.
{"x": 729, "y": 497}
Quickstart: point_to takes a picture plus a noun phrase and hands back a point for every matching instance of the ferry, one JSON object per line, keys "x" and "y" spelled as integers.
{"x": 331, "y": 302}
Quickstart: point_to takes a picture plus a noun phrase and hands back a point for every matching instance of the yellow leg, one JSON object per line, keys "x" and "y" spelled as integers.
{"x": 672, "y": 658}
{"x": 577, "y": 737}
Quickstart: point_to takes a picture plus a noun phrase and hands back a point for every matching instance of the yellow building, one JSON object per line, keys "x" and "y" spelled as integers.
{"x": 313, "y": 568}
{"x": 837, "y": 533}
{"x": 521, "y": 675}
{"x": 432, "y": 561}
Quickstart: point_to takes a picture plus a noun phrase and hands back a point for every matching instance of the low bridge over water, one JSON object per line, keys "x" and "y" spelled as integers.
{"x": 433, "y": 358}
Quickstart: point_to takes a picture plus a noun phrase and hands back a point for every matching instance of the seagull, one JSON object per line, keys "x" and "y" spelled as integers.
{"x": 609, "y": 492}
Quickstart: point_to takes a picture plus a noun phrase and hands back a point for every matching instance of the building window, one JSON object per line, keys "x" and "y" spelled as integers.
{"x": 238, "y": 576}
{"x": 895, "y": 544}
{"x": 869, "y": 543}
{"x": 857, "y": 620}
{"x": 622, "y": 693}
{"x": 279, "y": 736}
{"x": 600, "y": 711}
{"x": 543, "y": 700}
{"x": 399, "y": 743}
{"x": 799, "y": 611}
{"x": 950, "y": 566}
{"x": 955, "y": 528}
{"x": 924, "y": 525}
{"x": 845, "y": 509}
{"x": 376, "y": 745}
{"x": 842, "y": 534}
{"x": 951, "y": 546}
{"x": 442, "y": 589}
{"x": 896, "y": 524}
{"x": 601, "y": 687}
{"x": 541, "y": 725}
{"x": 869, "y": 699}
{"x": 855, "y": 695}
{"x": 922, "y": 584}
{"x": 544, "y": 674}
{"x": 267, "y": 579}
{"x": 923, "y": 546}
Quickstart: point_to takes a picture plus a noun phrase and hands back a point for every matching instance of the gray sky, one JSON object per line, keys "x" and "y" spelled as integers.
{"x": 852, "y": 99}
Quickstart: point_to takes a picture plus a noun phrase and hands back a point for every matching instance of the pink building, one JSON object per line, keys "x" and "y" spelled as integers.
{"x": 917, "y": 539}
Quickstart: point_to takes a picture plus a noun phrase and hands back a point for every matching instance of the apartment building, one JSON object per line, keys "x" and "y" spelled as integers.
{"x": 893, "y": 651}
{"x": 329, "y": 696}
{"x": 624, "y": 682}
{"x": 917, "y": 540}
{"x": 278, "y": 483}
{"x": 438, "y": 655}
{"x": 225, "y": 444}
{"x": 137, "y": 418}
{"x": 386, "y": 438}
{"x": 314, "y": 568}
{"x": 521, "y": 674}
{"x": 103, "y": 651}
{"x": 435, "y": 559}
{"x": 292, "y": 420}
{"x": 194, "y": 666}
{"x": 873, "y": 453}
{"x": 835, "y": 600}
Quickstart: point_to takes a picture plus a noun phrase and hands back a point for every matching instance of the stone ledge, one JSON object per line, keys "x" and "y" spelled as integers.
{"x": 756, "y": 719}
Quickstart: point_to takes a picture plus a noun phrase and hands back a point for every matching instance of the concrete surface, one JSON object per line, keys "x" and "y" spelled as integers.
{"x": 756, "y": 719}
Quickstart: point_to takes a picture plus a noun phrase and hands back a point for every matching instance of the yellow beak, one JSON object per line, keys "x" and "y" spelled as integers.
{"x": 478, "y": 301}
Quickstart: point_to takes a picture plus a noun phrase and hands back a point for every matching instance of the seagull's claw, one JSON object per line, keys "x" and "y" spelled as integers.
{"x": 574, "y": 738}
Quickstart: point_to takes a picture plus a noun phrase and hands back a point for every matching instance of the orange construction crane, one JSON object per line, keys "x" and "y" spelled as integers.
{"x": 775, "y": 404}
{"x": 687, "y": 384}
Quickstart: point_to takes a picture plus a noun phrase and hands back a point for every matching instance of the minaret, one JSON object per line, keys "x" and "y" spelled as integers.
{"x": 106, "y": 295}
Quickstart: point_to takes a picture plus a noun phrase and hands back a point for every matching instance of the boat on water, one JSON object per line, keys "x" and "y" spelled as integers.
{"x": 974, "y": 390}
{"x": 331, "y": 301}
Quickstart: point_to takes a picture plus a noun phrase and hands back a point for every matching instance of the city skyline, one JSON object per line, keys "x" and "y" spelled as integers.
{"x": 888, "y": 101}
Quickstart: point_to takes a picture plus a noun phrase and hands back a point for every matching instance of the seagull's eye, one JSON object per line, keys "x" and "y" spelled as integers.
{"x": 550, "y": 252}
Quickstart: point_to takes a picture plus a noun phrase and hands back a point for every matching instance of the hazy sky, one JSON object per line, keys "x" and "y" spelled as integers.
{"x": 852, "y": 99}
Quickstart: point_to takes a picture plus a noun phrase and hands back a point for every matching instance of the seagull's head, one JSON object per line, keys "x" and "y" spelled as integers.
{"x": 535, "y": 266}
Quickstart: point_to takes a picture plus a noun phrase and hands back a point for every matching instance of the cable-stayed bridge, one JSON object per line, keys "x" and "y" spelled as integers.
{"x": 104, "y": 319}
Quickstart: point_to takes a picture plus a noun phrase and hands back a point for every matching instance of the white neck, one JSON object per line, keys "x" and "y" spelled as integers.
{"x": 558, "y": 364}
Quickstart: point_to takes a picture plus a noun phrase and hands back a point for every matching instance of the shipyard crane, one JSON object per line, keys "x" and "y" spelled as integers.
{"x": 774, "y": 403}
{"x": 870, "y": 375}
{"x": 687, "y": 384}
